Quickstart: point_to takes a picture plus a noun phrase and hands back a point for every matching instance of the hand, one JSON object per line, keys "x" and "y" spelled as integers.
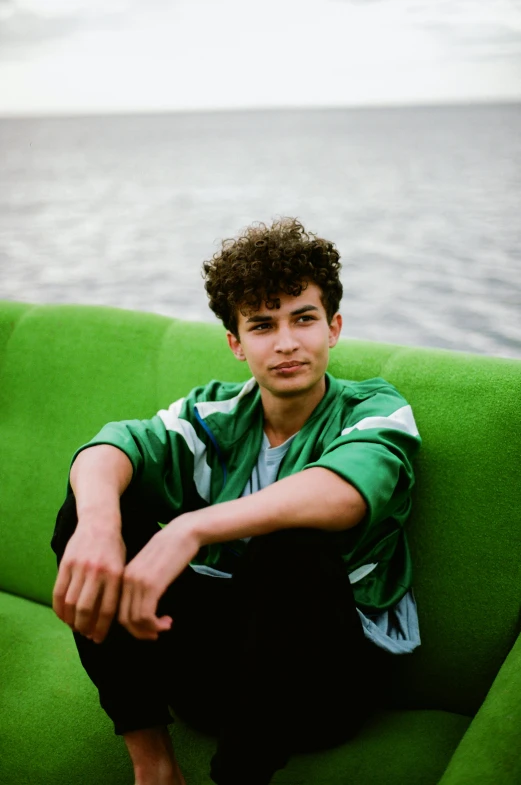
{"x": 88, "y": 586}
{"x": 149, "y": 574}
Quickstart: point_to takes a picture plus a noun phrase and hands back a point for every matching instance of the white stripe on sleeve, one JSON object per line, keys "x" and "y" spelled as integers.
{"x": 361, "y": 572}
{"x": 400, "y": 420}
{"x": 202, "y": 472}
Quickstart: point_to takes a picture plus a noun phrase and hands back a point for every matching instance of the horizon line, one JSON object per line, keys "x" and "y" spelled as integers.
{"x": 132, "y": 112}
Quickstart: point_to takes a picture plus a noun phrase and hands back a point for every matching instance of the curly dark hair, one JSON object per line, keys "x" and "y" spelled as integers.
{"x": 264, "y": 261}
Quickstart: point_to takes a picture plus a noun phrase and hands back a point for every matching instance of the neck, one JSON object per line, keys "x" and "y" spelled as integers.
{"x": 284, "y": 416}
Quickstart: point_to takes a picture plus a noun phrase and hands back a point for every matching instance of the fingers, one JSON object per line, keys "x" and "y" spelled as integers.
{"x": 137, "y": 612}
{"x": 131, "y": 615}
{"x": 92, "y": 581}
{"x": 71, "y": 598}
{"x": 107, "y": 609}
{"x": 86, "y": 593}
{"x": 164, "y": 623}
{"x": 60, "y": 590}
{"x": 124, "y": 605}
{"x": 86, "y": 602}
{"x": 147, "y": 614}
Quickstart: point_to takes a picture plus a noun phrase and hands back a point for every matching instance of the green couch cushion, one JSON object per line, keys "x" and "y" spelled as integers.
{"x": 53, "y": 730}
{"x": 465, "y": 531}
{"x": 66, "y": 370}
{"x": 489, "y": 751}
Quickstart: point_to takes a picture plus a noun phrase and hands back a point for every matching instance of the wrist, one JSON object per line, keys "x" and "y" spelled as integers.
{"x": 101, "y": 520}
{"x": 216, "y": 523}
{"x": 189, "y": 525}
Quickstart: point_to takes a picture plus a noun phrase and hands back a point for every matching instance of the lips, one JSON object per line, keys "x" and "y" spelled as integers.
{"x": 281, "y": 366}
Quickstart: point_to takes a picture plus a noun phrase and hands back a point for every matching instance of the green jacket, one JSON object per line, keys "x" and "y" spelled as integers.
{"x": 202, "y": 450}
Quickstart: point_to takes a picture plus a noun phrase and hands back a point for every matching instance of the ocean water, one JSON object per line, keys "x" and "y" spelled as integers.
{"x": 423, "y": 204}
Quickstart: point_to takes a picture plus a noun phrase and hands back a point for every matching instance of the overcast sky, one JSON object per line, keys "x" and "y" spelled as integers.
{"x": 70, "y": 56}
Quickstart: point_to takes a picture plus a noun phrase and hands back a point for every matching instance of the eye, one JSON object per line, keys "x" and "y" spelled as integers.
{"x": 307, "y": 318}
{"x": 260, "y": 327}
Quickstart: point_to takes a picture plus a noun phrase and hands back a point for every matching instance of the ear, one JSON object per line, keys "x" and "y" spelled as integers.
{"x": 335, "y": 328}
{"x": 235, "y": 346}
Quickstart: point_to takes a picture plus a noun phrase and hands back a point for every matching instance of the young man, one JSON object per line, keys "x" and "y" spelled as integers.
{"x": 271, "y": 604}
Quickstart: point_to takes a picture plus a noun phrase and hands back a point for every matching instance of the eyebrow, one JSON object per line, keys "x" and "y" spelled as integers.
{"x": 268, "y": 318}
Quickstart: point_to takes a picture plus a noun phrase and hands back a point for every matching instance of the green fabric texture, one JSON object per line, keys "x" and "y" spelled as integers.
{"x": 52, "y": 729}
{"x": 490, "y": 750}
{"x": 67, "y": 370}
{"x": 465, "y": 531}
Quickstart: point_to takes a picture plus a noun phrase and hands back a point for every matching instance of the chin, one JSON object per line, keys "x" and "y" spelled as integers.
{"x": 294, "y": 387}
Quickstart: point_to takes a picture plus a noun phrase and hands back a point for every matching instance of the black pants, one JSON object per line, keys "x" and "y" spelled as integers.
{"x": 273, "y": 660}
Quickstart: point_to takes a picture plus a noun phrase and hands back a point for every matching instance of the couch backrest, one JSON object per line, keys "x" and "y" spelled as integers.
{"x": 67, "y": 370}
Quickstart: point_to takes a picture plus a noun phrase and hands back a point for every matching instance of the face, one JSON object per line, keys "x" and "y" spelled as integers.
{"x": 287, "y": 349}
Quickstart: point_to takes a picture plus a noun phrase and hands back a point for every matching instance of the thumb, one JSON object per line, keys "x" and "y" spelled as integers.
{"x": 164, "y": 623}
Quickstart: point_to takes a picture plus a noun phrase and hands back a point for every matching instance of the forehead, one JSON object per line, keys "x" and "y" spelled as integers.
{"x": 311, "y": 296}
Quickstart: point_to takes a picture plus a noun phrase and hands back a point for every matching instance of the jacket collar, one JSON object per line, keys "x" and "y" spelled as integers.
{"x": 246, "y": 418}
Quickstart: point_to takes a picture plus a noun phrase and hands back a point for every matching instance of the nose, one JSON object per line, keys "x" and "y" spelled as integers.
{"x": 286, "y": 341}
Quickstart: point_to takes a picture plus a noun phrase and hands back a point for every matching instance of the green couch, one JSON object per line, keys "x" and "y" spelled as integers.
{"x": 455, "y": 711}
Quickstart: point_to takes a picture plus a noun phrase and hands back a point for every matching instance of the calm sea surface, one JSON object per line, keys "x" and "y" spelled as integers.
{"x": 424, "y": 205}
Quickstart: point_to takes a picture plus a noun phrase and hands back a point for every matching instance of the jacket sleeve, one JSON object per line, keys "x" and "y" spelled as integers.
{"x": 168, "y": 458}
{"x": 373, "y": 451}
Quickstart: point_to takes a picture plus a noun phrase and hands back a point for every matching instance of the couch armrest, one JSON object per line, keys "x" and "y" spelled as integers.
{"x": 489, "y": 752}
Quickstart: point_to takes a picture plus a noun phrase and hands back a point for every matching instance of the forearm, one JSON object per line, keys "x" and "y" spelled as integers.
{"x": 87, "y": 589}
{"x": 315, "y": 498}
{"x": 99, "y": 476}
